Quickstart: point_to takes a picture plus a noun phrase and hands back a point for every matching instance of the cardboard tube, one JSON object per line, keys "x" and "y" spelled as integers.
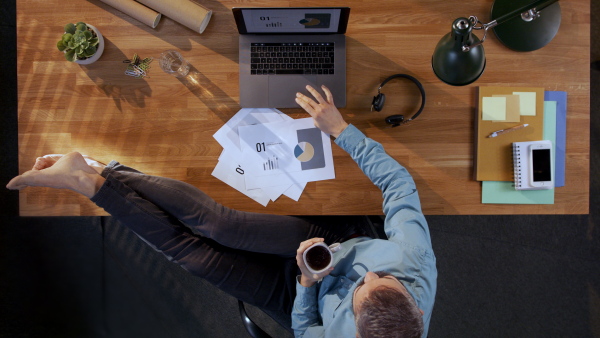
{"x": 188, "y": 13}
{"x": 136, "y": 10}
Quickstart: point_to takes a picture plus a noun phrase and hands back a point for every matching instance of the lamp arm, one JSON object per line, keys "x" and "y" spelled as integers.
{"x": 528, "y": 13}
{"x": 476, "y": 24}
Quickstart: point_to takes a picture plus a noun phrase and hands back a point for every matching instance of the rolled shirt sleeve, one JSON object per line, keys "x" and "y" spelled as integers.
{"x": 305, "y": 313}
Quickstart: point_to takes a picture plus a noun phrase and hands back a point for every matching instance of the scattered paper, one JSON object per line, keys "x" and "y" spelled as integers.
{"x": 231, "y": 171}
{"x": 286, "y": 153}
{"x": 228, "y": 136}
{"x": 268, "y": 154}
{"x": 294, "y": 191}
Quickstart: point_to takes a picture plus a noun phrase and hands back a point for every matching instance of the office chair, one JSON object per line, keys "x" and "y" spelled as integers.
{"x": 253, "y": 329}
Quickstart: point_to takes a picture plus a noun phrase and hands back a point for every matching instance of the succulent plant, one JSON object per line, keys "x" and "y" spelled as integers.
{"x": 78, "y": 42}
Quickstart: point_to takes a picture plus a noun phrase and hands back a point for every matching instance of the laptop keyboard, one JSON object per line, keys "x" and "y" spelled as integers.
{"x": 292, "y": 58}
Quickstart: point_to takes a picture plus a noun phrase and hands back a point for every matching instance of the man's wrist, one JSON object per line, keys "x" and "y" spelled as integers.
{"x": 306, "y": 282}
{"x": 336, "y": 135}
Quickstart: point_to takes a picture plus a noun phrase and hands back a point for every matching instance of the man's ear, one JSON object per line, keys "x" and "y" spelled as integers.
{"x": 422, "y": 312}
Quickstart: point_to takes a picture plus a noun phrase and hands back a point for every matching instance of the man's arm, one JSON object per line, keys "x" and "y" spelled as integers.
{"x": 404, "y": 220}
{"x": 305, "y": 313}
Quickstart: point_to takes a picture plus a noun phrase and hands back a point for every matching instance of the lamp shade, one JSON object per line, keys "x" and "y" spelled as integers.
{"x": 524, "y": 35}
{"x": 453, "y": 65}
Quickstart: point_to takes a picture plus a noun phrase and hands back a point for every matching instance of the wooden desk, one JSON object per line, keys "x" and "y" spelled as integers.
{"x": 164, "y": 127}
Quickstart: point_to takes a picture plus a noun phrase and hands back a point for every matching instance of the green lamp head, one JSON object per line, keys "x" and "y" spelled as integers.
{"x": 459, "y": 58}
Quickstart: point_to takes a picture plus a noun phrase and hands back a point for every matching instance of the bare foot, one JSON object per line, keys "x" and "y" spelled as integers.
{"x": 47, "y": 161}
{"x": 67, "y": 172}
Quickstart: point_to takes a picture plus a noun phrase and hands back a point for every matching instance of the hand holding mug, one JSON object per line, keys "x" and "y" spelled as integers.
{"x": 314, "y": 258}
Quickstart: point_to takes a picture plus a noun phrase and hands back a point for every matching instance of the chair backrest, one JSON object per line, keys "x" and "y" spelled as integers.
{"x": 253, "y": 329}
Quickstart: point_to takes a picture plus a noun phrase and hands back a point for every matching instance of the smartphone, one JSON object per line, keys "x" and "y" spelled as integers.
{"x": 540, "y": 165}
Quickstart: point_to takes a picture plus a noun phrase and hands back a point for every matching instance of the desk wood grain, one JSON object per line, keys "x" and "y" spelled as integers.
{"x": 164, "y": 127}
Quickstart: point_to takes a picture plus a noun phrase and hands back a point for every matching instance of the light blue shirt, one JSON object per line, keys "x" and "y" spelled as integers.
{"x": 325, "y": 309}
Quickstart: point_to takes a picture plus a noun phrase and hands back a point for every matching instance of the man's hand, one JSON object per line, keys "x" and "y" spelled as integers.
{"x": 309, "y": 279}
{"x": 327, "y": 117}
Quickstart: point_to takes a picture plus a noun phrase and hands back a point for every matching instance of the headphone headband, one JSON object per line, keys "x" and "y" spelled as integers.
{"x": 416, "y": 82}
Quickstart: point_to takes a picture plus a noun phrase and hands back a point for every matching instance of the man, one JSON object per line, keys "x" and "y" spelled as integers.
{"x": 376, "y": 288}
{"x": 394, "y": 303}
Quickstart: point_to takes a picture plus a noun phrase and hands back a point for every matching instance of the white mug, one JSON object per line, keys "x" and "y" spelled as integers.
{"x": 319, "y": 257}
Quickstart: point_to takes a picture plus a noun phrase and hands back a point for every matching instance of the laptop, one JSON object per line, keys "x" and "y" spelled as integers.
{"x": 284, "y": 49}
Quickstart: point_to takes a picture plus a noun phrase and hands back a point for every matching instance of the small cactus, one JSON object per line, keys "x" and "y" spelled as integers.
{"x": 78, "y": 42}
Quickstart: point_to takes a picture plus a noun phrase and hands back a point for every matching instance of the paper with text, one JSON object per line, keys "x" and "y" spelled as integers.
{"x": 289, "y": 152}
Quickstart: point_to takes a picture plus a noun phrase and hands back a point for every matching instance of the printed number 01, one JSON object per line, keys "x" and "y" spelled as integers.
{"x": 260, "y": 147}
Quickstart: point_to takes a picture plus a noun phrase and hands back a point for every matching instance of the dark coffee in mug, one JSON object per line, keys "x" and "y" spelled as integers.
{"x": 318, "y": 257}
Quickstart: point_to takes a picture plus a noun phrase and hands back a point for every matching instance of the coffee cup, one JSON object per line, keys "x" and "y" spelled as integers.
{"x": 319, "y": 257}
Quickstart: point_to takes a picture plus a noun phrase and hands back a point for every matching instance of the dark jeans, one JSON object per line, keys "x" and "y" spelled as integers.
{"x": 250, "y": 256}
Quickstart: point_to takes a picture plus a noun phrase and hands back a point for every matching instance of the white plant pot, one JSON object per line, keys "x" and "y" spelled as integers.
{"x": 99, "y": 51}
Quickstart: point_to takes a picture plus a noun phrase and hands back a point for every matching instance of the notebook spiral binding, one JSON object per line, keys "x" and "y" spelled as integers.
{"x": 517, "y": 166}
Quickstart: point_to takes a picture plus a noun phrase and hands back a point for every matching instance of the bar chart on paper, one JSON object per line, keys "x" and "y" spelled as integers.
{"x": 271, "y": 164}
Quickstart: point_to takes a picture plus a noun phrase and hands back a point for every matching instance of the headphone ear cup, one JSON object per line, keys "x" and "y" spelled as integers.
{"x": 378, "y": 102}
{"x": 395, "y": 120}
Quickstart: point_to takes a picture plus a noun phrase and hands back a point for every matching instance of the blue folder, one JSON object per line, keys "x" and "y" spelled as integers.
{"x": 561, "y": 134}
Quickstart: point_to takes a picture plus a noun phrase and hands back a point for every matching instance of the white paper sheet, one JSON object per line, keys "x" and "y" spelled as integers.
{"x": 230, "y": 171}
{"x": 228, "y": 137}
{"x": 295, "y": 191}
{"x": 304, "y": 154}
{"x": 289, "y": 152}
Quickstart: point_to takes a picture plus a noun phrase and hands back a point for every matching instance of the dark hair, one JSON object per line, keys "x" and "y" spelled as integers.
{"x": 387, "y": 312}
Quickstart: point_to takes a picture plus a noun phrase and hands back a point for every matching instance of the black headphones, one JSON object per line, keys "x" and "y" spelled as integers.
{"x": 379, "y": 100}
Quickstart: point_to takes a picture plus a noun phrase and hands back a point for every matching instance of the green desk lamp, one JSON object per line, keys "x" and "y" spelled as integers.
{"x": 459, "y": 58}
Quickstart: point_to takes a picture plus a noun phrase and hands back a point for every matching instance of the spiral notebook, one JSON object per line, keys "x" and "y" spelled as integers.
{"x": 521, "y": 162}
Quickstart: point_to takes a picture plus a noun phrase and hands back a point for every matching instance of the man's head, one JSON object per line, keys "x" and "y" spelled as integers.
{"x": 384, "y": 308}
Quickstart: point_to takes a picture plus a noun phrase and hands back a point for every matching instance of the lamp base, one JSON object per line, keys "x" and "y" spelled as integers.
{"x": 521, "y": 35}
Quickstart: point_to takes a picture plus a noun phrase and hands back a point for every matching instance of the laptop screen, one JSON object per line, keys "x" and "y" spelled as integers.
{"x": 310, "y": 20}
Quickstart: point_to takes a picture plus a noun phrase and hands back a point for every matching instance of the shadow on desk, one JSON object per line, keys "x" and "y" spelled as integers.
{"x": 410, "y": 144}
{"x": 180, "y": 37}
{"x": 215, "y": 99}
{"x": 113, "y": 82}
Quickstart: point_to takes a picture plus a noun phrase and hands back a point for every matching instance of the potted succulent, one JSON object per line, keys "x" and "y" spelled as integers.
{"x": 82, "y": 43}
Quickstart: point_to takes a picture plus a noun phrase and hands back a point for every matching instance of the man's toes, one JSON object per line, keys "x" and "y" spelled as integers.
{"x": 40, "y": 163}
{"x": 20, "y": 182}
{"x": 14, "y": 184}
{"x": 46, "y": 161}
{"x": 54, "y": 157}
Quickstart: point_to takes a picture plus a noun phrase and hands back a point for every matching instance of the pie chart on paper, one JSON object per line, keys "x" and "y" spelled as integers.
{"x": 304, "y": 151}
{"x": 310, "y": 21}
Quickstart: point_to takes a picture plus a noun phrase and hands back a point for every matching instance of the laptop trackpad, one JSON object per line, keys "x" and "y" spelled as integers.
{"x": 283, "y": 89}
